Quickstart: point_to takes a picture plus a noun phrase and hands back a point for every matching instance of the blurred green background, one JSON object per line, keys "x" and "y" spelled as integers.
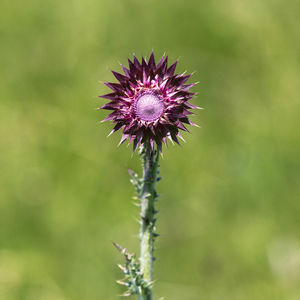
{"x": 229, "y": 206}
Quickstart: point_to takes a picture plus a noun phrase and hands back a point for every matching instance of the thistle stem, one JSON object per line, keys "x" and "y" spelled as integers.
{"x": 148, "y": 197}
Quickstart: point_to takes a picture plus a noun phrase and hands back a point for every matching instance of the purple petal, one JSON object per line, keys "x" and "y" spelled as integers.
{"x": 151, "y": 62}
{"x": 171, "y": 69}
{"x": 126, "y": 71}
{"x": 160, "y": 63}
{"x": 120, "y": 77}
{"x": 116, "y": 128}
{"x": 136, "y": 63}
{"x": 181, "y": 126}
{"x": 186, "y": 87}
{"x": 114, "y": 86}
{"x": 191, "y": 106}
{"x": 123, "y": 139}
{"x": 111, "y": 96}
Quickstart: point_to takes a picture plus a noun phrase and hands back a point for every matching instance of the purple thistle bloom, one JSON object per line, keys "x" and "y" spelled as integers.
{"x": 150, "y": 102}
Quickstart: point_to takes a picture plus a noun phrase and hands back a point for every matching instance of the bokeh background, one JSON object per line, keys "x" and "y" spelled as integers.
{"x": 229, "y": 199}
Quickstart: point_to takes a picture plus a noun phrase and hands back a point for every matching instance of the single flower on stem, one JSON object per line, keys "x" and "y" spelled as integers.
{"x": 150, "y": 103}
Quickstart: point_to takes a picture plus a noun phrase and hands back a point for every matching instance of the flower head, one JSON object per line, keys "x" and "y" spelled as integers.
{"x": 150, "y": 102}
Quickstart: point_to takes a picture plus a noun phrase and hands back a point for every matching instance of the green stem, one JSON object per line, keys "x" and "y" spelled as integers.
{"x": 148, "y": 197}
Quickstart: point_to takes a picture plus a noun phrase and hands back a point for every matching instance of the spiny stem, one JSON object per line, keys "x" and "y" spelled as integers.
{"x": 148, "y": 196}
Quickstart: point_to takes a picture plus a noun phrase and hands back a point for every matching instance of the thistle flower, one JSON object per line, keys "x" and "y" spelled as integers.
{"x": 150, "y": 102}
